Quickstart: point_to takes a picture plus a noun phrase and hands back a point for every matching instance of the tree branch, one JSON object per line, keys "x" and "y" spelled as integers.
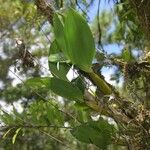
{"x": 45, "y": 9}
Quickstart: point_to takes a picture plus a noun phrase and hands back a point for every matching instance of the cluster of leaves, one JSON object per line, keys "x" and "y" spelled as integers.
{"x": 45, "y": 118}
{"x": 68, "y": 42}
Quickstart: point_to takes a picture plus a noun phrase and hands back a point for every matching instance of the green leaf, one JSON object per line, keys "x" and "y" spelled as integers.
{"x": 59, "y": 57}
{"x": 100, "y": 57}
{"x": 66, "y": 89}
{"x": 45, "y": 113}
{"x": 54, "y": 48}
{"x": 79, "y": 82}
{"x": 38, "y": 82}
{"x": 15, "y": 135}
{"x": 94, "y": 132}
{"x": 7, "y": 133}
{"x": 58, "y": 86}
{"x": 82, "y": 106}
{"x": 127, "y": 55}
{"x": 59, "y": 70}
{"x": 59, "y": 33}
{"x": 55, "y": 53}
{"x": 80, "y": 47}
{"x": 7, "y": 118}
{"x": 18, "y": 116}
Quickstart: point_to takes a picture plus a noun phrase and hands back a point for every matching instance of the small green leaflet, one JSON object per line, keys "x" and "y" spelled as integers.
{"x": 7, "y": 133}
{"x": 15, "y": 135}
{"x": 127, "y": 55}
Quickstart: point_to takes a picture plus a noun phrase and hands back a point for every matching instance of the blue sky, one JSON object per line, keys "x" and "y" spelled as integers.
{"x": 104, "y": 5}
{"x": 92, "y": 12}
{"x": 111, "y": 48}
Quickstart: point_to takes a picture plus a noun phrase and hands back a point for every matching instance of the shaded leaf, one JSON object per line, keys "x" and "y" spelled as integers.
{"x": 58, "y": 86}
{"x": 79, "y": 82}
{"x": 94, "y": 132}
{"x": 66, "y": 89}
{"x": 59, "y": 34}
{"x": 59, "y": 70}
{"x": 54, "y": 48}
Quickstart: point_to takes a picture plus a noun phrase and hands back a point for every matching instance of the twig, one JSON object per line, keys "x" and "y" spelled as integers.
{"x": 33, "y": 126}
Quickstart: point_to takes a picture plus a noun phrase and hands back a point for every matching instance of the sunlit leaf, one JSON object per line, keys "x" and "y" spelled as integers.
{"x": 38, "y": 82}
{"x": 7, "y": 133}
{"x": 15, "y": 135}
{"x": 80, "y": 47}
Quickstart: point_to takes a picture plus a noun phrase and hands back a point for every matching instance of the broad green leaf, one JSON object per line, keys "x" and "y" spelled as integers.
{"x": 80, "y": 47}
{"x": 66, "y": 89}
{"x": 95, "y": 132}
{"x": 59, "y": 70}
{"x": 59, "y": 33}
{"x": 15, "y": 135}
